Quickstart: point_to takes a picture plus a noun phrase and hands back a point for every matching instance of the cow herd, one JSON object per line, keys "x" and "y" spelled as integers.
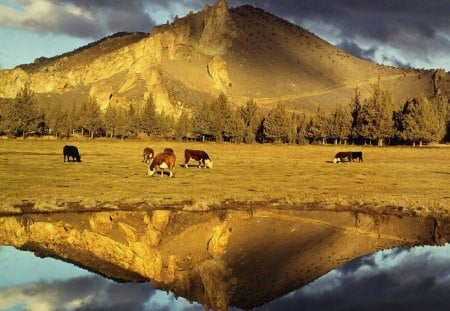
{"x": 165, "y": 161}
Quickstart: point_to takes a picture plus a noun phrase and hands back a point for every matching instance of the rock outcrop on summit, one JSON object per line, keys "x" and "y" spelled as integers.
{"x": 243, "y": 52}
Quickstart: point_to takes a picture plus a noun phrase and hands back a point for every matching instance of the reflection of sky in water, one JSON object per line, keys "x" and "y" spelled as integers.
{"x": 398, "y": 279}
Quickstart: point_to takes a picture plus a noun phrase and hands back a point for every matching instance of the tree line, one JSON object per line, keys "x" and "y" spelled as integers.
{"x": 372, "y": 120}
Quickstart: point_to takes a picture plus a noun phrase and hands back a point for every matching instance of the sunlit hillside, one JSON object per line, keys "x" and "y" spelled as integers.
{"x": 244, "y": 52}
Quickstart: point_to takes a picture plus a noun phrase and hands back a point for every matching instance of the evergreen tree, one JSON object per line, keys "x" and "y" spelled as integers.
{"x": 183, "y": 126}
{"x": 340, "y": 124}
{"x": 298, "y": 128}
{"x": 214, "y": 118}
{"x": 110, "y": 119}
{"x": 221, "y": 117}
{"x": 91, "y": 116}
{"x": 122, "y": 128}
{"x": 131, "y": 122}
{"x": 276, "y": 124}
{"x": 251, "y": 118}
{"x": 203, "y": 119}
{"x": 357, "y": 117}
{"x": 301, "y": 122}
{"x": 166, "y": 125}
{"x": 318, "y": 127}
{"x": 73, "y": 119}
{"x": 235, "y": 128}
{"x": 442, "y": 107}
{"x": 21, "y": 115}
{"x": 377, "y": 116}
{"x": 422, "y": 120}
{"x": 149, "y": 118}
{"x": 58, "y": 121}
{"x": 82, "y": 116}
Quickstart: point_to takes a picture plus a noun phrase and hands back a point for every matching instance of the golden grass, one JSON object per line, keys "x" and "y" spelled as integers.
{"x": 112, "y": 175}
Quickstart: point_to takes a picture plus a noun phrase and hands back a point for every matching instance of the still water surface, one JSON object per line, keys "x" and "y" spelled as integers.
{"x": 398, "y": 279}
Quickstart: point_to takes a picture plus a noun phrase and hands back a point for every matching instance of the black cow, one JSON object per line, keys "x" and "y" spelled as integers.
{"x": 71, "y": 152}
{"x": 357, "y": 155}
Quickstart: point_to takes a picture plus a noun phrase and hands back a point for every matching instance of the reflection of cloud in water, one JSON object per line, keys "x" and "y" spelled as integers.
{"x": 400, "y": 279}
{"x": 31, "y": 283}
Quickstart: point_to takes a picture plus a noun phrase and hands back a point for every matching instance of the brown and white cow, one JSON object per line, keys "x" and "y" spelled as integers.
{"x": 168, "y": 150}
{"x": 348, "y": 156}
{"x": 345, "y": 156}
{"x": 148, "y": 154}
{"x": 162, "y": 161}
{"x": 198, "y": 155}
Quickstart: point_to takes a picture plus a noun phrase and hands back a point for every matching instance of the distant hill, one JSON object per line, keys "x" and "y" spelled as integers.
{"x": 243, "y": 52}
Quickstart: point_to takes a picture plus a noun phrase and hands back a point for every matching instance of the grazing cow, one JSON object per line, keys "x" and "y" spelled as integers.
{"x": 343, "y": 156}
{"x": 71, "y": 152}
{"x": 169, "y": 150}
{"x": 148, "y": 154}
{"x": 357, "y": 155}
{"x": 198, "y": 155}
{"x": 162, "y": 161}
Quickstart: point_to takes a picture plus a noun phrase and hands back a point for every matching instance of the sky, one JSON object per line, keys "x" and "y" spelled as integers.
{"x": 398, "y": 279}
{"x": 405, "y": 33}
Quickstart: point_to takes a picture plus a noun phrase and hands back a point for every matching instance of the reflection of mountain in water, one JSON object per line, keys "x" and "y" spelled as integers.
{"x": 219, "y": 258}
{"x": 391, "y": 279}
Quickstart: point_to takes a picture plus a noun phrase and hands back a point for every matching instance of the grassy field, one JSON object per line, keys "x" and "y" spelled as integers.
{"x": 112, "y": 175}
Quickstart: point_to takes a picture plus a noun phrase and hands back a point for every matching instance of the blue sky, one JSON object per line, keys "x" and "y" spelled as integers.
{"x": 413, "y": 33}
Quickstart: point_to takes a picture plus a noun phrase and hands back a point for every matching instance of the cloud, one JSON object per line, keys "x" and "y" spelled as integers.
{"x": 394, "y": 61}
{"x": 399, "y": 279}
{"x": 356, "y": 50}
{"x": 83, "y": 19}
{"x": 83, "y": 293}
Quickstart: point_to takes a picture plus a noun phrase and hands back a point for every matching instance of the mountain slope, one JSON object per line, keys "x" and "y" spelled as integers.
{"x": 243, "y": 52}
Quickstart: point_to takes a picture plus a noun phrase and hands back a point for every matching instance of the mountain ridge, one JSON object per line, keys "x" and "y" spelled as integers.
{"x": 243, "y": 52}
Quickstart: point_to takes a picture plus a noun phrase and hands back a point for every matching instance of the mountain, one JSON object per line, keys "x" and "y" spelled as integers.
{"x": 243, "y": 52}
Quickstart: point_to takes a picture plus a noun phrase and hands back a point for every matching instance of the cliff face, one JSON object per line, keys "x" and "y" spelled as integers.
{"x": 220, "y": 258}
{"x": 243, "y": 52}
{"x": 135, "y": 71}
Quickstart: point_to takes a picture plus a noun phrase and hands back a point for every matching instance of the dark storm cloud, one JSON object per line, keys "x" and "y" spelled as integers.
{"x": 401, "y": 279}
{"x": 396, "y": 62}
{"x": 116, "y": 14}
{"x": 356, "y": 50}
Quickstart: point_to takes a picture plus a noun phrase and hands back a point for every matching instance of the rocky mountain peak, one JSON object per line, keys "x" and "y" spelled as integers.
{"x": 218, "y": 30}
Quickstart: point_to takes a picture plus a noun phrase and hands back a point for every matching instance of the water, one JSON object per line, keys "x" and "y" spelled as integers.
{"x": 412, "y": 279}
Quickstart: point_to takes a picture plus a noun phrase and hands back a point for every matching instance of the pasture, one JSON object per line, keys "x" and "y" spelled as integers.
{"x": 112, "y": 175}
